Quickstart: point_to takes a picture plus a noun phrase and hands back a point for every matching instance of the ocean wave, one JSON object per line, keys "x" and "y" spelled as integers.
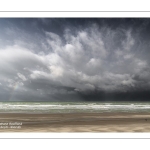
{"x": 40, "y": 107}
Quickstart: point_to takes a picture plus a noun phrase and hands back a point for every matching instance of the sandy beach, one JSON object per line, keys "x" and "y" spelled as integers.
{"x": 75, "y": 122}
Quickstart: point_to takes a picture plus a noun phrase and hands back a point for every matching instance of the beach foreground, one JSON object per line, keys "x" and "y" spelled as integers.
{"x": 75, "y": 122}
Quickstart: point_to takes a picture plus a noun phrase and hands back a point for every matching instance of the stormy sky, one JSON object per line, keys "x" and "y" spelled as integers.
{"x": 74, "y": 59}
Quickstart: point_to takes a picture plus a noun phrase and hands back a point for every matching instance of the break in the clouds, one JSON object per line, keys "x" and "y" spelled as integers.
{"x": 74, "y": 59}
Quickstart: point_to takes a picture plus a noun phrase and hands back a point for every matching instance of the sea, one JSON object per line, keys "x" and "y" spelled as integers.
{"x": 73, "y": 107}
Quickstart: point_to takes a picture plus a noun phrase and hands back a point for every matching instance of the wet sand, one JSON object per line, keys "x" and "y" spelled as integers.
{"x": 75, "y": 122}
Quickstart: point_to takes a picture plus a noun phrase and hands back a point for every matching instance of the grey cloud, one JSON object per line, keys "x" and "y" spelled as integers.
{"x": 77, "y": 62}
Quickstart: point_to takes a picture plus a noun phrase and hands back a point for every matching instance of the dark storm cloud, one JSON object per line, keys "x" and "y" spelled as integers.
{"x": 74, "y": 59}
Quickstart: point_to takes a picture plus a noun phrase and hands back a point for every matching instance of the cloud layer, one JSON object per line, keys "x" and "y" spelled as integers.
{"x": 84, "y": 61}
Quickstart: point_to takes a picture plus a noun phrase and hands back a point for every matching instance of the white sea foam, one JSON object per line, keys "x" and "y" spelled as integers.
{"x": 47, "y": 107}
